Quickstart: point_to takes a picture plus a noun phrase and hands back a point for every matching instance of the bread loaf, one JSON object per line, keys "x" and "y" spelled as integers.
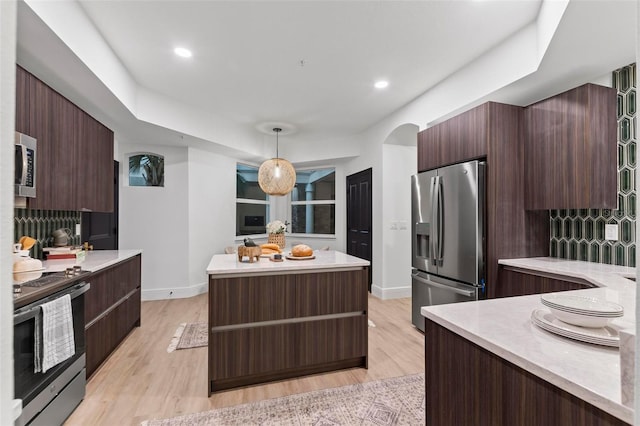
{"x": 270, "y": 248}
{"x": 301, "y": 250}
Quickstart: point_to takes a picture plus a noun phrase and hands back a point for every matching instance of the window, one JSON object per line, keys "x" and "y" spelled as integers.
{"x": 252, "y": 204}
{"x": 313, "y": 202}
{"x": 146, "y": 170}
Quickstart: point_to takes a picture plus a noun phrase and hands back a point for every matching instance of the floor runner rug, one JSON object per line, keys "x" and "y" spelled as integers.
{"x": 395, "y": 401}
{"x": 189, "y": 335}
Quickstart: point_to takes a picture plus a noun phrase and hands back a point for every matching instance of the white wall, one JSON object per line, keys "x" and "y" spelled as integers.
{"x": 211, "y": 216}
{"x": 155, "y": 219}
{"x": 7, "y": 120}
{"x": 398, "y": 164}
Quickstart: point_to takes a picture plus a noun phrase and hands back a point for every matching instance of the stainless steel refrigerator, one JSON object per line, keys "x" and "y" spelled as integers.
{"x": 447, "y": 212}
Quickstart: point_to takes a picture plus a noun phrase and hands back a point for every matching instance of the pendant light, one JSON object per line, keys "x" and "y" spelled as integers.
{"x": 277, "y": 175}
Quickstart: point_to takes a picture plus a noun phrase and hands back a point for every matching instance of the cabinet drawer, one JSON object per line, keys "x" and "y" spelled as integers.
{"x": 110, "y": 286}
{"x": 516, "y": 283}
{"x": 331, "y": 292}
{"x": 251, "y": 299}
{"x": 332, "y": 340}
{"x": 251, "y": 351}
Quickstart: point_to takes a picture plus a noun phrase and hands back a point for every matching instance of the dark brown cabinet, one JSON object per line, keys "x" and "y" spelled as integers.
{"x": 112, "y": 309}
{"x": 468, "y": 385}
{"x": 270, "y": 327}
{"x": 571, "y": 149}
{"x": 74, "y": 169}
{"x": 513, "y": 282}
{"x": 494, "y": 132}
{"x": 460, "y": 138}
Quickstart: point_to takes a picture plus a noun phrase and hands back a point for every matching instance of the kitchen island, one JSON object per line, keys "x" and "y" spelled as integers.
{"x": 486, "y": 363}
{"x": 276, "y": 320}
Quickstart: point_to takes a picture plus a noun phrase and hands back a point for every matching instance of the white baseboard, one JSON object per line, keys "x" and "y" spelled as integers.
{"x": 174, "y": 293}
{"x": 391, "y": 293}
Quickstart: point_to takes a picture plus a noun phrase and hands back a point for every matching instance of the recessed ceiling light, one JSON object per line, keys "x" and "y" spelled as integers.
{"x": 381, "y": 84}
{"x": 182, "y": 52}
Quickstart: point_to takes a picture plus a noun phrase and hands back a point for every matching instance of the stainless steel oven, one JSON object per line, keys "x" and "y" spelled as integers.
{"x": 49, "y": 398}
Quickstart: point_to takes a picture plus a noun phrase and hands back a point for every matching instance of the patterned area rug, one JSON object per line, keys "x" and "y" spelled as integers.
{"x": 189, "y": 335}
{"x": 395, "y": 401}
{"x": 194, "y": 335}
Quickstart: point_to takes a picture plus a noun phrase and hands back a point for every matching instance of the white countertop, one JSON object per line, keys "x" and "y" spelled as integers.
{"x": 325, "y": 259}
{"x": 503, "y": 327}
{"x": 95, "y": 260}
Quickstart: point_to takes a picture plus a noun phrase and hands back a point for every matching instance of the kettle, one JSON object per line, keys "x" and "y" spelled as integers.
{"x": 61, "y": 237}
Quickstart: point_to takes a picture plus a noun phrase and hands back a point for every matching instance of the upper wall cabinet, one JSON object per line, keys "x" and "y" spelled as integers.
{"x": 460, "y": 138}
{"x": 570, "y": 150}
{"x": 75, "y": 151}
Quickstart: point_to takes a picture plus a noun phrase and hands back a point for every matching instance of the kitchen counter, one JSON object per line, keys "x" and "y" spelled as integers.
{"x": 94, "y": 261}
{"x": 228, "y": 264}
{"x": 503, "y": 327}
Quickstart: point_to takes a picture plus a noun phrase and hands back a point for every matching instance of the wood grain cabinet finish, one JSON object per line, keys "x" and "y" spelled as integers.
{"x": 519, "y": 283}
{"x": 112, "y": 309}
{"x": 468, "y": 385}
{"x": 460, "y": 138}
{"x": 494, "y": 132}
{"x": 571, "y": 149}
{"x": 75, "y": 151}
{"x": 273, "y": 327}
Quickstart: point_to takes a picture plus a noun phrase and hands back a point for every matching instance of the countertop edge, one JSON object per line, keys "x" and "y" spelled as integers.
{"x": 93, "y": 265}
{"x": 227, "y": 265}
{"x": 597, "y": 274}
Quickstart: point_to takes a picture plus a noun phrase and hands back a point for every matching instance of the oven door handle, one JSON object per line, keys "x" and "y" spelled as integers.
{"x": 73, "y": 292}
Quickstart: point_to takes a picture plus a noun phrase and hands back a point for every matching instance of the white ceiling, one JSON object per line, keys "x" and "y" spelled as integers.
{"x": 247, "y": 69}
{"x": 247, "y": 54}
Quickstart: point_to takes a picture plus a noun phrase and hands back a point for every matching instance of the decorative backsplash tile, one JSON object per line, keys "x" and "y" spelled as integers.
{"x": 39, "y": 224}
{"x": 579, "y": 234}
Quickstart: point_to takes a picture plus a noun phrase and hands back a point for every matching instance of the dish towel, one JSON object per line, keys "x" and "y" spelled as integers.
{"x": 54, "y": 339}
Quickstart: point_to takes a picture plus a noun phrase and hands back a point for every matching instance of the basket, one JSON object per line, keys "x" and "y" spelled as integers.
{"x": 278, "y": 239}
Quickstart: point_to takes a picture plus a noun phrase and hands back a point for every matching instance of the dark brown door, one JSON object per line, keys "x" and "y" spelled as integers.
{"x": 101, "y": 229}
{"x": 359, "y": 208}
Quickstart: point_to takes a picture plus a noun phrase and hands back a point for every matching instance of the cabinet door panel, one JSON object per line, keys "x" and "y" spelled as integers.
{"x": 464, "y": 137}
{"x": 251, "y": 351}
{"x": 332, "y": 340}
{"x": 251, "y": 299}
{"x": 22, "y": 101}
{"x": 513, "y": 283}
{"x": 331, "y": 292}
{"x": 570, "y": 150}
{"x": 428, "y": 149}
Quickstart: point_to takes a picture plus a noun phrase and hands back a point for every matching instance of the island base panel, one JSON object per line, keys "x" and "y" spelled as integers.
{"x": 468, "y": 385}
{"x": 259, "y": 354}
{"x": 232, "y": 383}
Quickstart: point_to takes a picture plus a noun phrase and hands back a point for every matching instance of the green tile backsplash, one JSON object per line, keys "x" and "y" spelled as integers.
{"x": 39, "y": 224}
{"x": 579, "y": 234}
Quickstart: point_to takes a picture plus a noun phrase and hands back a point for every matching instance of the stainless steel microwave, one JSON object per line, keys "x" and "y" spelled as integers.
{"x": 26, "y": 150}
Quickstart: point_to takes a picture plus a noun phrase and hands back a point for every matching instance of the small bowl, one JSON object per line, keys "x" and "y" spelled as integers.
{"x": 579, "y": 319}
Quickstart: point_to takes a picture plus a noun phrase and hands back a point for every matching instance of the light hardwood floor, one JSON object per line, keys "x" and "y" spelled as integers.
{"x": 141, "y": 381}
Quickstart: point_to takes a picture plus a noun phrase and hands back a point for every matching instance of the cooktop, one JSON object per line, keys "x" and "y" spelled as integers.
{"x": 49, "y": 283}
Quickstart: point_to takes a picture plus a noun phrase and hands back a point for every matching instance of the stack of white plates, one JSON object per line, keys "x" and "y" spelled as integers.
{"x": 606, "y": 336}
{"x": 580, "y": 310}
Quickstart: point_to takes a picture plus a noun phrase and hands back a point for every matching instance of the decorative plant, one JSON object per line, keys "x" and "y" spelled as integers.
{"x": 150, "y": 166}
{"x": 277, "y": 227}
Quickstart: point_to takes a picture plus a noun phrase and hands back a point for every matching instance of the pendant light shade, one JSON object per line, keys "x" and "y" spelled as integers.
{"x": 277, "y": 175}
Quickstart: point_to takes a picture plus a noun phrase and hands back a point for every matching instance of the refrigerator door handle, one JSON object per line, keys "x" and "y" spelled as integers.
{"x": 441, "y": 218}
{"x": 467, "y": 293}
{"x": 433, "y": 250}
